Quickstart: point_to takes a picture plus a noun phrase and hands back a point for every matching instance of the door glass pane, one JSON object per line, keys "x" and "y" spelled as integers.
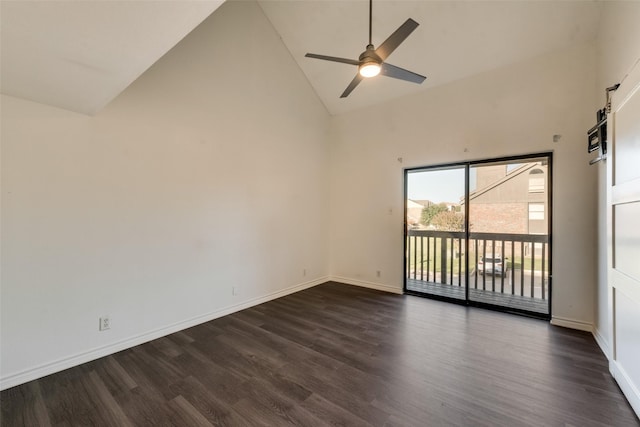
{"x": 435, "y": 240}
{"x": 508, "y": 239}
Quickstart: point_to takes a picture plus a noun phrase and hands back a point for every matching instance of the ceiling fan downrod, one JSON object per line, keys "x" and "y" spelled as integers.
{"x": 370, "y": 20}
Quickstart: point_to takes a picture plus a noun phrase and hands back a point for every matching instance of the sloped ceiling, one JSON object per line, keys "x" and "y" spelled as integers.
{"x": 455, "y": 39}
{"x": 79, "y": 55}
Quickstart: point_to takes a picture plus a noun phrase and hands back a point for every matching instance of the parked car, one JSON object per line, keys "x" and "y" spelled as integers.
{"x": 496, "y": 265}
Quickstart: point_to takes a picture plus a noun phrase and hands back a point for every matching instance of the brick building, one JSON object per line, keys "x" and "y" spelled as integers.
{"x": 510, "y": 200}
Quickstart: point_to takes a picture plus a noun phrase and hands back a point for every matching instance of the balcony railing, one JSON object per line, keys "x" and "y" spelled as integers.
{"x": 437, "y": 263}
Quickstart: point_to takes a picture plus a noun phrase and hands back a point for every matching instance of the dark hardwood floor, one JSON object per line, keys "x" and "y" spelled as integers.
{"x": 507, "y": 300}
{"x": 339, "y": 355}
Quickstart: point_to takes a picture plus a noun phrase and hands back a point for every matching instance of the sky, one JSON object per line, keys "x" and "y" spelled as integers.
{"x": 443, "y": 185}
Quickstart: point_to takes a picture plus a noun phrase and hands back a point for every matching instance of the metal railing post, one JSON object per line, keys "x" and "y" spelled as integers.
{"x": 443, "y": 260}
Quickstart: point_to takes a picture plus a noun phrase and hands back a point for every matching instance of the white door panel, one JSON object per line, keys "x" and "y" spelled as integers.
{"x": 623, "y": 218}
{"x": 628, "y": 331}
{"x": 626, "y": 238}
{"x": 627, "y": 141}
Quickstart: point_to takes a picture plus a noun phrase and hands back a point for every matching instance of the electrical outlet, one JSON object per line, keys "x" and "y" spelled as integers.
{"x": 378, "y": 273}
{"x": 304, "y": 272}
{"x": 105, "y": 323}
{"x": 234, "y": 290}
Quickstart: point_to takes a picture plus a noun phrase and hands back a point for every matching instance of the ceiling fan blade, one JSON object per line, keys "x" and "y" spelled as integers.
{"x": 356, "y": 80}
{"x": 333, "y": 58}
{"x": 394, "y": 40}
{"x": 400, "y": 73}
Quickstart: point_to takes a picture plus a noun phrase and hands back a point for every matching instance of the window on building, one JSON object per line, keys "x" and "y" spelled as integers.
{"x": 536, "y": 211}
{"x": 536, "y": 181}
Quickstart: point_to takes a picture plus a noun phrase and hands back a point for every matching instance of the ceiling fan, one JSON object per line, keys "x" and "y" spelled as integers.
{"x": 371, "y": 61}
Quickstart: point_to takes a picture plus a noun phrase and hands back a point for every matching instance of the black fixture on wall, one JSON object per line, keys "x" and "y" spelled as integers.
{"x": 597, "y": 135}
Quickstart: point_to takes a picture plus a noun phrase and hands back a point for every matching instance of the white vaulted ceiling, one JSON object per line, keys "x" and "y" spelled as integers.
{"x": 455, "y": 39}
{"x": 79, "y": 55}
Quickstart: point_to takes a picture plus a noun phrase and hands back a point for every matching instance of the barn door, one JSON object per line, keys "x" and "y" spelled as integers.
{"x": 623, "y": 203}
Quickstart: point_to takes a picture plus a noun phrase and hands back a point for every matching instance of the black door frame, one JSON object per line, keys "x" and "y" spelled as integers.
{"x": 467, "y": 166}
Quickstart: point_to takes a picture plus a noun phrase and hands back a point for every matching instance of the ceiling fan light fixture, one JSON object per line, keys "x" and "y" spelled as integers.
{"x": 369, "y": 69}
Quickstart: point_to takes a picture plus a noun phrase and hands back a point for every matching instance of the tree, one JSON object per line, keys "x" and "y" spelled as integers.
{"x": 430, "y": 212}
{"x": 448, "y": 221}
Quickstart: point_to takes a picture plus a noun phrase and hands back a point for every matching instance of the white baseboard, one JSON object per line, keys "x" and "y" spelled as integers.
{"x": 602, "y": 342}
{"x": 96, "y": 353}
{"x": 572, "y": 323}
{"x": 627, "y": 386}
{"x": 365, "y": 284}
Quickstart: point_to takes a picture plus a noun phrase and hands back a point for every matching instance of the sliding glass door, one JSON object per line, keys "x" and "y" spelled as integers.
{"x": 436, "y": 241}
{"x": 509, "y": 234}
{"x": 480, "y": 233}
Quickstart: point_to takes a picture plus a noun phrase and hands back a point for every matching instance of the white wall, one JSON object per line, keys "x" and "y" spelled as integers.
{"x": 204, "y": 174}
{"x": 618, "y": 49}
{"x": 510, "y": 111}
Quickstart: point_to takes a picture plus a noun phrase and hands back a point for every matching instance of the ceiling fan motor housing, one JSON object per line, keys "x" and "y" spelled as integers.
{"x": 369, "y": 56}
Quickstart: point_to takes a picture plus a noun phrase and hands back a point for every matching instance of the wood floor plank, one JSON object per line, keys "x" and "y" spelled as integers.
{"x": 267, "y": 403}
{"x": 24, "y": 406}
{"x": 188, "y": 414}
{"x": 151, "y": 371}
{"x": 112, "y": 374}
{"x": 219, "y": 380}
{"x": 339, "y": 391}
{"x": 107, "y": 407}
{"x": 67, "y": 398}
{"x": 339, "y": 355}
{"x": 142, "y": 408}
{"x": 331, "y": 413}
{"x": 209, "y": 404}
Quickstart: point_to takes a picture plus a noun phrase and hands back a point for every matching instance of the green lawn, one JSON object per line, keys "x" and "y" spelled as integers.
{"x": 435, "y": 259}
